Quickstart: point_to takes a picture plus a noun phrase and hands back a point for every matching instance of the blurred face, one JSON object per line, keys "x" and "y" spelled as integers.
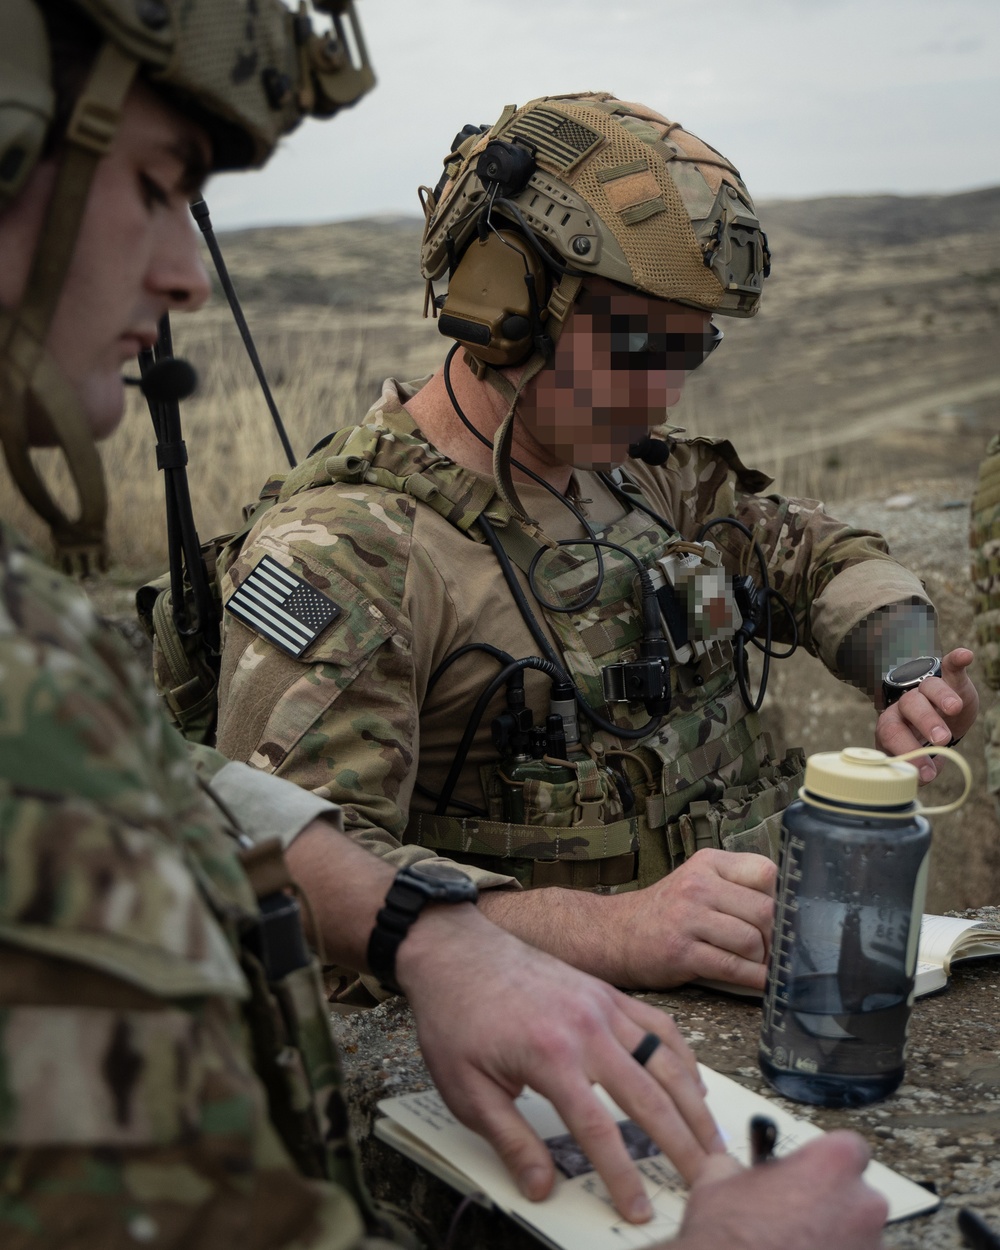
{"x": 136, "y": 254}
{"x": 620, "y": 363}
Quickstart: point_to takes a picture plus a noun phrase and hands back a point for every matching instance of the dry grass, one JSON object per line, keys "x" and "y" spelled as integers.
{"x": 233, "y": 445}
{"x": 872, "y": 369}
{"x": 869, "y": 366}
{"x": 231, "y": 440}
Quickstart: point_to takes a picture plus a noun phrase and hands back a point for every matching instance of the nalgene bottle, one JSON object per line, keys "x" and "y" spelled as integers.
{"x": 852, "y": 878}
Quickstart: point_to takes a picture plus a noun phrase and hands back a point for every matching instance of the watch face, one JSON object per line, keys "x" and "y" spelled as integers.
{"x": 436, "y": 871}
{"x": 444, "y": 882}
{"x": 910, "y": 672}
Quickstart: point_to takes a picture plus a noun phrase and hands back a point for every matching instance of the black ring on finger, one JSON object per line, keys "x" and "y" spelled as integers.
{"x": 644, "y": 1051}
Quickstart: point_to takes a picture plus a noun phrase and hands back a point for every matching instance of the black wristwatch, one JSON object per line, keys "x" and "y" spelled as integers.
{"x": 907, "y": 676}
{"x": 428, "y": 881}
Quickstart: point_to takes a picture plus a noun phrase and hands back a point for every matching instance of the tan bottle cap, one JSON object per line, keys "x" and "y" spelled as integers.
{"x": 860, "y": 776}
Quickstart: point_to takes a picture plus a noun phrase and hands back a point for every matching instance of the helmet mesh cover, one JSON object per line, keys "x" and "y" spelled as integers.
{"x": 655, "y": 232}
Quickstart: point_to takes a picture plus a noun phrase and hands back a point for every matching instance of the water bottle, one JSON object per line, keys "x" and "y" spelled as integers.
{"x": 852, "y": 878}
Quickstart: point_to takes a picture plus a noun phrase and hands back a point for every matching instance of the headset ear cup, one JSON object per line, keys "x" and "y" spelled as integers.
{"x": 489, "y": 307}
{"x": 27, "y": 103}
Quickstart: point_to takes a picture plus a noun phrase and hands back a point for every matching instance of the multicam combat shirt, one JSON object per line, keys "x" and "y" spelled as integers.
{"x": 130, "y": 1112}
{"x": 384, "y": 525}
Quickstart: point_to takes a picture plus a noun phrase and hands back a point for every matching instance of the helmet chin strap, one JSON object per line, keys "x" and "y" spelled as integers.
{"x": 79, "y": 542}
{"x": 31, "y": 383}
{"x": 560, "y": 303}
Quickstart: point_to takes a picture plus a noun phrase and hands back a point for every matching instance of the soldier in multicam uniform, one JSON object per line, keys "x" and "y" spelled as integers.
{"x": 166, "y": 1070}
{"x": 588, "y": 243}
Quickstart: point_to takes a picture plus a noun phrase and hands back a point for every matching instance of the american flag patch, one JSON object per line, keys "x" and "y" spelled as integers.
{"x": 553, "y": 134}
{"x": 283, "y": 608}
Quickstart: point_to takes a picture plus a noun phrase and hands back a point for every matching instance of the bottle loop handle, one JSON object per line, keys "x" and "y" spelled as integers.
{"x": 963, "y": 766}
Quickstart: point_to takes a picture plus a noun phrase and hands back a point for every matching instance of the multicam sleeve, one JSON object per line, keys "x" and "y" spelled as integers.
{"x": 263, "y": 806}
{"x": 342, "y": 721}
{"x": 129, "y": 1120}
{"x": 833, "y": 576}
{"x": 130, "y": 1111}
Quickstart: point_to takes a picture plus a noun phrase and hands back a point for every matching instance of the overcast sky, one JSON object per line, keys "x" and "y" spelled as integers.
{"x": 806, "y": 97}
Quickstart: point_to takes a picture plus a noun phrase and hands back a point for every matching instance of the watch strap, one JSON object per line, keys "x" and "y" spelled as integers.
{"x": 410, "y": 892}
{"x": 403, "y": 905}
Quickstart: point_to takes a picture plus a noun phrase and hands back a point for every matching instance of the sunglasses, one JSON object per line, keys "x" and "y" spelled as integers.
{"x": 634, "y": 347}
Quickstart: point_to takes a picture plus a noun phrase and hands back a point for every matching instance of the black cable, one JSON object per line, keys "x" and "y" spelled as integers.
{"x": 506, "y": 673}
{"x": 194, "y": 609}
{"x": 741, "y": 663}
{"x": 768, "y": 589}
{"x": 470, "y": 809}
{"x": 769, "y": 593}
{"x": 502, "y": 657}
{"x": 535, "y": 477}
{"x": 643, "y": 572}
{"x": 742, "y": 667}
{"x": 793, "y": 624}
{"x": 529, "y": 235}
{"x": 747, "y": 534}
{"x": 545, "y": 647}
{"x": 199, "y": 211}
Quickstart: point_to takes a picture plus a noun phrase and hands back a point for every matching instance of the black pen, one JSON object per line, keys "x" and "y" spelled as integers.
{"x": 763, "y": 1136}
{"x": 976, "y": 1232}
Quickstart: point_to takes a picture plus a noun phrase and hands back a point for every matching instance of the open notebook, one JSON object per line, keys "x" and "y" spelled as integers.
{"x": 578, "y": 1215}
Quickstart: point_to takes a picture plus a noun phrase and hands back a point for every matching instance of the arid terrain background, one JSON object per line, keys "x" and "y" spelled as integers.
{"x": 871, "y": 373}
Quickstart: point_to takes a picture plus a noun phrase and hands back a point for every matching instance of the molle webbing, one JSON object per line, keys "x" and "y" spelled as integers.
{"x": 375, "y": 455}
{"x": 565, "y": 576}
{"x": 295, "y": 1053}
{"x": 698, "y": 761}
{"x": 575, "y": 856}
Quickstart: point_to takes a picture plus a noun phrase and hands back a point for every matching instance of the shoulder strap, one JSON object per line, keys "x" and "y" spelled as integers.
{"x": 390, "y": 452}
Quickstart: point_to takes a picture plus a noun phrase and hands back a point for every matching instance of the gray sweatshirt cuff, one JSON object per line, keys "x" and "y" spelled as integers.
{"x": 270, "y": 807}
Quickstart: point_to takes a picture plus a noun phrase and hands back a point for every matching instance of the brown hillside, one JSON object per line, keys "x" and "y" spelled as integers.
{"x": 872, "y": 370}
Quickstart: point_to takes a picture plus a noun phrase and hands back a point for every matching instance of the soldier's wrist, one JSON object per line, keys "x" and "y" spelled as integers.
{"x": 440, "y": 934}
{"x": 415, "y": 888}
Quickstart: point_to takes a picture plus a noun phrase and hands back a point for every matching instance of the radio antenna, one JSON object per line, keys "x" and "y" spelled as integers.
{"x": 199, "y": 210}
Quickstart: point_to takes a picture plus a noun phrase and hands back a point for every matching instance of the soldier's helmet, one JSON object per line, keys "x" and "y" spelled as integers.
{"x": 572, "y": 186}
{"x": 246, "y": 70}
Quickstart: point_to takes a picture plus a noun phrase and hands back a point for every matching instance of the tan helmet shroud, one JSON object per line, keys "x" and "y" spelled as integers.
{"x": 618, "y": 190}
{"x": 248, "y": 73}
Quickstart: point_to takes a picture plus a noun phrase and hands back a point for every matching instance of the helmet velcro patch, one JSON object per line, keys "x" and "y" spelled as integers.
{"x": 563, "y": 141}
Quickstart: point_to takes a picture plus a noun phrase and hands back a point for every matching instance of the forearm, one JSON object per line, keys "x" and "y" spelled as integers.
{"x": 583, "y": 929}
{"x": 345, "y": 887}
{"x": 711, "y": 917}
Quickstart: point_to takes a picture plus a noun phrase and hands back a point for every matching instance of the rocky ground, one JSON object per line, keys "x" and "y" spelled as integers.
{"x": 939, "y": 1129}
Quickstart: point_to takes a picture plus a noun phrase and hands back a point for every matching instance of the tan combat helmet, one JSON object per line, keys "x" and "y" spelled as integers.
{"x": 248, "y": 70}
{"x": 567, "y": 187}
